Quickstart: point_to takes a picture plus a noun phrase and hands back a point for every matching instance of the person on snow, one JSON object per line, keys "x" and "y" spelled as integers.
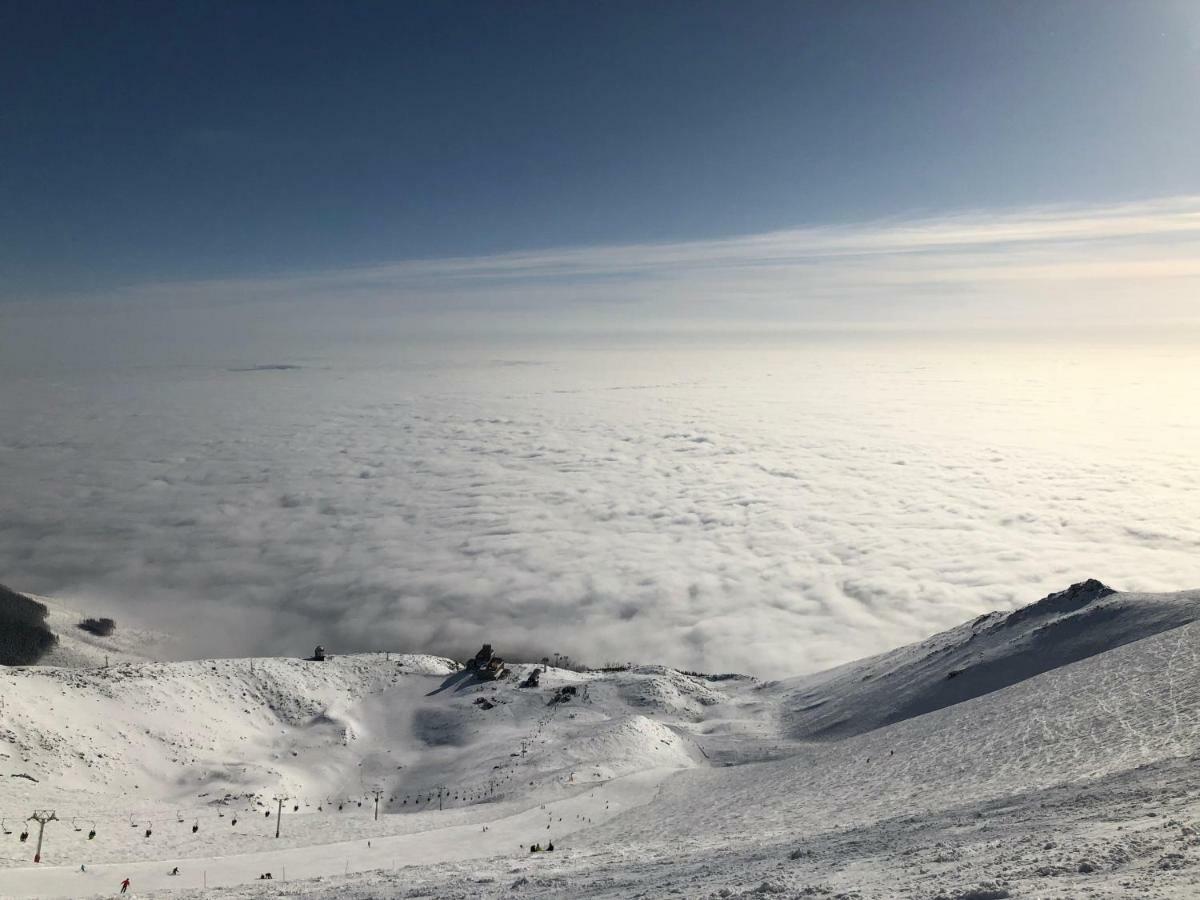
{"x": 550, "y": 846}
{"x": 174, "y": 871}
{"x": 124, "y": 885}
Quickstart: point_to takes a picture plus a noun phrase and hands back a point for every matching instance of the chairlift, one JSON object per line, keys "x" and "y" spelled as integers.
{"x": 179, "y": 816}
{"x": 92, "y": 832}
{"x": 4, "y": 828}
{"x": 76, "y": 827}
{"x": 234, "y": 822}
{"x": 24, "y": 835}
{"x": 195, "y": 826}
{"x": 149, "y": 829}
{"x": 132, "y": 824}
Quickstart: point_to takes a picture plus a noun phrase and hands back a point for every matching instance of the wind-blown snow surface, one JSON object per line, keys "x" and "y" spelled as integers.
{"x": 1074, "y": 774}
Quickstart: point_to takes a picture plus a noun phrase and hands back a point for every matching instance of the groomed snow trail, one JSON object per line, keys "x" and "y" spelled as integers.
{"x": 510, "y": 836}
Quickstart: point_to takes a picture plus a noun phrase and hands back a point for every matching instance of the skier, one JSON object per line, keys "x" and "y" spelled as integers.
{"x": 124, "y": 885}
{"x": 550, "y": 846}
{"x": 174, "y": 871}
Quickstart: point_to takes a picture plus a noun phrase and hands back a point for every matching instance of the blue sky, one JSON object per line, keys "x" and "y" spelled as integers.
{"x": 203, "y": 142}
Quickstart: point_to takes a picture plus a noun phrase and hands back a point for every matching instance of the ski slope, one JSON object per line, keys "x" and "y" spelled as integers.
{"x": 1057, "y": 760}
{"x": 506, "y": 836}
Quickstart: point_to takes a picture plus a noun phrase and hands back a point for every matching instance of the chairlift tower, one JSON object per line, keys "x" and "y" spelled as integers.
{"x": 41, "y": 816}
{"x": 377, "y": 793}
{"x": 279, "y": 812}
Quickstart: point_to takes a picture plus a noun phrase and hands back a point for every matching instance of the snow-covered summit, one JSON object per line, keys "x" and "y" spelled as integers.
{"x": 986, "y": 654}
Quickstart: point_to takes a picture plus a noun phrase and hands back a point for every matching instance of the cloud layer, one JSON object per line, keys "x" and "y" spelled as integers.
{"x": 765, "y": 506}
{"x": 1128, "y": 262}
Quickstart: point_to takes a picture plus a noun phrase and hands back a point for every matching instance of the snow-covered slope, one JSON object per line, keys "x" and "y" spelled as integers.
{"x": 78, "y": 648}
{"x": 207, "y": 745}
{"x": 984, "y": 655}
{"x": 1047, "y": 765}
{"x": 183, "y": 732}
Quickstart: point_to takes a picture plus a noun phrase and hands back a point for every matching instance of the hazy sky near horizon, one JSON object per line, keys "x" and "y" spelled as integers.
{"x": 762, "y": 161}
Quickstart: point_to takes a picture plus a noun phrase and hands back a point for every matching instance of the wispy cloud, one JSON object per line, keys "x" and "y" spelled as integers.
{"x": 1021, "y": 264}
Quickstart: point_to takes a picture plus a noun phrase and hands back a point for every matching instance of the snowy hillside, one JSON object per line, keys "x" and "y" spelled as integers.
{"x": 74, "y": 639}
{"x": 1046, "y": 752}
{"x": 78, "y": 648}
{"x": 984, "y": 655}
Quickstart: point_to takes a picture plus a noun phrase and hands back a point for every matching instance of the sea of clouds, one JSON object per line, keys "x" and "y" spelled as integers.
{"x": 770, "y": 504}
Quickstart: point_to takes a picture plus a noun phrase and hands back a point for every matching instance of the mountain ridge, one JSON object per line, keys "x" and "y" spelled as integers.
{"x": 988, "y": 653}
